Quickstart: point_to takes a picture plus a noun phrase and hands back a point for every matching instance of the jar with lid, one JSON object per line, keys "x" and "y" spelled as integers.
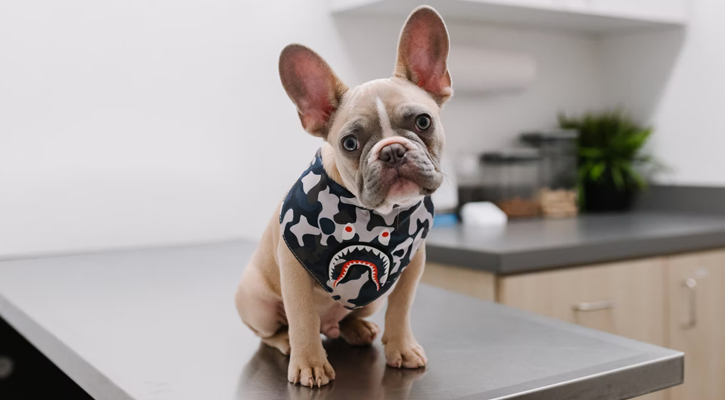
{"x": 510, "y": 179}
{"x": 557, "y": 170}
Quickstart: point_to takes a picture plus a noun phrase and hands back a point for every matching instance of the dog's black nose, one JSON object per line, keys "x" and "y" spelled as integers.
{"x": 392, "y": 153}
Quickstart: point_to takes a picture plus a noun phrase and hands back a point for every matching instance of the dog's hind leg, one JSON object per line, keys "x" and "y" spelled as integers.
{"x": 279, "y": 341}
{"x": 260, "y": 307}
{"x": 357, "y": 331}
{"x": 264, "y": 317}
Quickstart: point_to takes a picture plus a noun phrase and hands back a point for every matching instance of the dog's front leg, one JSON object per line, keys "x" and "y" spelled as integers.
{"x": 308, "y": 360}
{"x": 401, "y": 348}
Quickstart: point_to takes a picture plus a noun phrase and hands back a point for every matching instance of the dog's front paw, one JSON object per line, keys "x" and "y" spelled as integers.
{"x": 310, "y": 370}
{"x": 404, "y": 352}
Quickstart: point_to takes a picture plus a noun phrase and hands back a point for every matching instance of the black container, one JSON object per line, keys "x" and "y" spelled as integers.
{"x": 606, "y": 197}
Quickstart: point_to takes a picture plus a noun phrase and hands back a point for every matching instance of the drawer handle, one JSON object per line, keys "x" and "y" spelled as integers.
{"x": 691, "y": 285}
{"x": 595, "y": 305}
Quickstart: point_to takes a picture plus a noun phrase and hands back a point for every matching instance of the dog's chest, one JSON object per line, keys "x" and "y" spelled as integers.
{"x": 355, "y": 254}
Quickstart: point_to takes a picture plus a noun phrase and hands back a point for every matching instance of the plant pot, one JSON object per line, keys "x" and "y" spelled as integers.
{"x": 606, "y": 197}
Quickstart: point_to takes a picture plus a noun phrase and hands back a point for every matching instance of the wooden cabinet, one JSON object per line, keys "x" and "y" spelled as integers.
{"x": 470, "y": 282}
{"x": 676, "y": 302}
{"x": 625, "y": 298}
{"x": 696, "y": 285}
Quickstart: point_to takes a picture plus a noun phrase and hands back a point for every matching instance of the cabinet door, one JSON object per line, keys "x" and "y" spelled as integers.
{"x": 626, "y": 299}
{"x": 470, "y": 282}
{"x": 697, "y": 323}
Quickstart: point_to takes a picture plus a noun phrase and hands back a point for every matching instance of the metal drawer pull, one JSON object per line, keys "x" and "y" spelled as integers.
{"x": 595, "y": 305}
{"x": 691, "y": 285}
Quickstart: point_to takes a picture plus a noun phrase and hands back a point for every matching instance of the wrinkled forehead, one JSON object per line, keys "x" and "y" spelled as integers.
{"x": 395, "y": 97}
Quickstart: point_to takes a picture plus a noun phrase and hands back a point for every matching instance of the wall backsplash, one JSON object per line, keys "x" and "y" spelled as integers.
{"x": 136, "y": 124}
{"x": 674, "y": 80}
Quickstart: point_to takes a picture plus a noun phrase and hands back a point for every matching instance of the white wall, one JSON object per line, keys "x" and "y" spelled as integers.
{"x": 136, "y": 122}
{"x": 676, "y": 81}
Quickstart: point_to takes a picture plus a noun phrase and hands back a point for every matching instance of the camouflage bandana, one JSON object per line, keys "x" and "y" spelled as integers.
{"x": 354, "y": 253}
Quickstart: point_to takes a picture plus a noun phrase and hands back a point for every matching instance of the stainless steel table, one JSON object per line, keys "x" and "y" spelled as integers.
{"x": 160, "y": 324}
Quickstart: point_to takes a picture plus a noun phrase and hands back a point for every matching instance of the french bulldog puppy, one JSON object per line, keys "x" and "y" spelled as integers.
{"x": 351, "y": 231}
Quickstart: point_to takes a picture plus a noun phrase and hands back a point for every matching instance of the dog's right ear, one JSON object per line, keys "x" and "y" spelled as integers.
{"x": 312, "y": 85}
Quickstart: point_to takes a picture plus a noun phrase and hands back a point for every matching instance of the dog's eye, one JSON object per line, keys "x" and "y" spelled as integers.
{"x": 350, "y": 143}
{"x": 422, "y": 122}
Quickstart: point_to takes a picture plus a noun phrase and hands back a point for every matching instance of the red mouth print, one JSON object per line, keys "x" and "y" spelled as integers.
{"x": 377, "y": 261}
{"x": 346, "y": 267}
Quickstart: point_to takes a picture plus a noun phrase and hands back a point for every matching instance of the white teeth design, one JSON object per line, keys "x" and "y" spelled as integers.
{"x": 342, "y": 253}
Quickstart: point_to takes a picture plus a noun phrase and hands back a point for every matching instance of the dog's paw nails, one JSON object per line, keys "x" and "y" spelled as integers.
{"x": 310, "y": 372}
{"x": 329, "y": 371}
{"x": 294, "y": 377}
{"x": 405, "y": 353}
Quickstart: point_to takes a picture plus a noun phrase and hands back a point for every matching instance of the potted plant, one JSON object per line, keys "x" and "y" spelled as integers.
{"x": 610, "y": 159}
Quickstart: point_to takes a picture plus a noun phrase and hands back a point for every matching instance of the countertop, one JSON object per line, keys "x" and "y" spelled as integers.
{"x": 160, "y": 324}
{"x": 531, "y": 245}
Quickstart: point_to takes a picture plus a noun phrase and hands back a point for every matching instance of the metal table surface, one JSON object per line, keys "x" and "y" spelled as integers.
{"x": 160, "y": 324}
{"x": 539, "y": 244}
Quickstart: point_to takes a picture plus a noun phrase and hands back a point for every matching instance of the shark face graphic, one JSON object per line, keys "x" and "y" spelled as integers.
{"x": 376, "y": 261}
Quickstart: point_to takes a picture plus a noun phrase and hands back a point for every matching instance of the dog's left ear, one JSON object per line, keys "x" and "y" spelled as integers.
{"x": 423, "y": 53}
{"x": 312, "y": 85}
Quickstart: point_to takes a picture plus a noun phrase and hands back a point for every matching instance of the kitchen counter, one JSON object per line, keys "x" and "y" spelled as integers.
{"x": 524, "y": 246}
{"x": 160, "y": 324}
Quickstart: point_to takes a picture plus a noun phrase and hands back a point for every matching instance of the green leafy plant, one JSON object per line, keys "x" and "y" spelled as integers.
{"x": 610, "y": 149}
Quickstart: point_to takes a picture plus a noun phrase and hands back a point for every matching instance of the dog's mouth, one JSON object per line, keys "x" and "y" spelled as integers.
{"x": 358, "y": 255}
{"x": 384, "y": 184}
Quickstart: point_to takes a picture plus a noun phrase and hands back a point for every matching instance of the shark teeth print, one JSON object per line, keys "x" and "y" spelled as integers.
{"x": 340, "y": 256}
{"x": 371, "y": 266}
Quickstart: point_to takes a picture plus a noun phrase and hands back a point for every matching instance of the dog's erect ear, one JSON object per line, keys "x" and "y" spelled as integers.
{"x": 423, "y": 53}
{"x": 312, "y": 86}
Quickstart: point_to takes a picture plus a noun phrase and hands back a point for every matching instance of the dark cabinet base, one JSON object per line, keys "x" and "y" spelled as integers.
{"x": 25, "y": 373}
